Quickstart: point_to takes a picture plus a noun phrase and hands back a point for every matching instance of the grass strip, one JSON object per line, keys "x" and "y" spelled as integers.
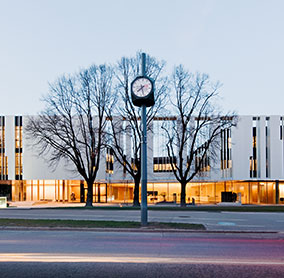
{"x": 94, "y": 224}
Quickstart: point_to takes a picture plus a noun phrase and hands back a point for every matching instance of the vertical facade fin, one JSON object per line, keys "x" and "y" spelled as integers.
{"x": 18, "y": 148}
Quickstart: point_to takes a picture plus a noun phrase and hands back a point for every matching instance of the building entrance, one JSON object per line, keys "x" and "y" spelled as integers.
{"x": 99, "y": 192}
{"x": 6, "y": 191}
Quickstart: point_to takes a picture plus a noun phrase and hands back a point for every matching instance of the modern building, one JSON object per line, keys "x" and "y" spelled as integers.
{"x": 251, "y": 165}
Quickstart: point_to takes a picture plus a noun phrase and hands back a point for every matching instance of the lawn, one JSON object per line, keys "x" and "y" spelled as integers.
{"x": 48, "y": 223}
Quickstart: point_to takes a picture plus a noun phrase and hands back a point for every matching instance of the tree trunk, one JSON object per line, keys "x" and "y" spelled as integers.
{"x": 183, "y": 194}
{"x": 136, "y": 192}
{"x": 89, "y": 202}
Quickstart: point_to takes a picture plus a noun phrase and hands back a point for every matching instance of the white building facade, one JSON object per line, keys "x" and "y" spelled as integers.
{"x": 251, "y": 165}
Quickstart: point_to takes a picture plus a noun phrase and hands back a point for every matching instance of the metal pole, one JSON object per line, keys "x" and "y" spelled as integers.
{"x": 277, "y": 192}
{"x": 144, "y": 215}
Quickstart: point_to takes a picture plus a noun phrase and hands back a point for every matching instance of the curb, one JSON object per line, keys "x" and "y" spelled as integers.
{"x": 133, "y": 230}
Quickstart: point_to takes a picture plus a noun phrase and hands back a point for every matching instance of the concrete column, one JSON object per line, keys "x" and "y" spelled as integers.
{"x": 58, "y": 190}
{"x": 63, "y": 191}
{"x": 258, "y": 193}
{"x": 55, "y": 190}
{"x": 215, "y": 192}
{"x": 32, "y": 190}
{"x": 68, "y": 191}
{"x": 38, "y": 190}
{"x": 43, "y": 190}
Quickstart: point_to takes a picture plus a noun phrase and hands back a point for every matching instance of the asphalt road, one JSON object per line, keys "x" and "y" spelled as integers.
{"x": 116, "y": 254}
{"x": 214, "y": 221}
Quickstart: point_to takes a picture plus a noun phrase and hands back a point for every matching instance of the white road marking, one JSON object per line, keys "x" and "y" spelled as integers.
{"x": 218, "y": 219}
{"x": 216, "y": 224}
{"x": 226, "y": 223}
{"x": 252, "y": 212}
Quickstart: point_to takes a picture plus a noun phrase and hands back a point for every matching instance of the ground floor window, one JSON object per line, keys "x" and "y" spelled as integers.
{"x": 246, "y": 192}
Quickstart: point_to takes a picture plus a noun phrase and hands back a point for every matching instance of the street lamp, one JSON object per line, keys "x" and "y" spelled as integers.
{"x": 142, "y": 94}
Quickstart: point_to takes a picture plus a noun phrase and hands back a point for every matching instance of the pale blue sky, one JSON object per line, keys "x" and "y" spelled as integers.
{"x": 238, "y": 42}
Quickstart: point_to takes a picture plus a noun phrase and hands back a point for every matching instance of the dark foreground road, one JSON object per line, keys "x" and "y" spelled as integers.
{"x": 115, "y": 254}
{"x": 149, "y": 270}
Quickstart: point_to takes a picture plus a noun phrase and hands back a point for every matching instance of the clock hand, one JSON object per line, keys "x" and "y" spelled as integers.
{"x": 141, "y": 88}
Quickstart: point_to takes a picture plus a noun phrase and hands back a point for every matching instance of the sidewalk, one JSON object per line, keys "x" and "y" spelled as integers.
{"x": 213, "y": 217}
{"x": 202, "y": 207}
{"x": 53, "y": 204}
{"x": 46, "y": 204}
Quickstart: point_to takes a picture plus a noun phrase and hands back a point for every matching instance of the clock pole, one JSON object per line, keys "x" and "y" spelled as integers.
{"x": 144, "y": 214}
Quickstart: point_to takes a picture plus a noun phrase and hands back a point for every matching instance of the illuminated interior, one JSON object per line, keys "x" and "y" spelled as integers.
{"x": 248, "y": 192}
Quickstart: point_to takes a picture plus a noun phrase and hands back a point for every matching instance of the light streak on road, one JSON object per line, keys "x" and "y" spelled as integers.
{"x": 80, "y": 258}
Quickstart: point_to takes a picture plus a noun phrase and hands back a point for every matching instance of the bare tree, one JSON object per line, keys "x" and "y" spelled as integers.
{"x": 72, "y": 126}
{"x": 125, "y": 118}
{"x": 193, "y": 140}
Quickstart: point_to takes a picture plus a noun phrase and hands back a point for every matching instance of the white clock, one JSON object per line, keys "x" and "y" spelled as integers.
{"x": 142, "y": 86}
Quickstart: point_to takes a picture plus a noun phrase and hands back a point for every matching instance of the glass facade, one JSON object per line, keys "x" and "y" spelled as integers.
{"x": 226, "y": 153}
{"x": 256, "y": 186}
{"x": 248, "y": 192}
{"x": 3, "y": 157}
{"x": 109, "y": 161}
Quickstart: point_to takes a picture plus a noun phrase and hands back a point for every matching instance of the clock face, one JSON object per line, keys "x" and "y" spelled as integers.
{"x": 142, "y": 86}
